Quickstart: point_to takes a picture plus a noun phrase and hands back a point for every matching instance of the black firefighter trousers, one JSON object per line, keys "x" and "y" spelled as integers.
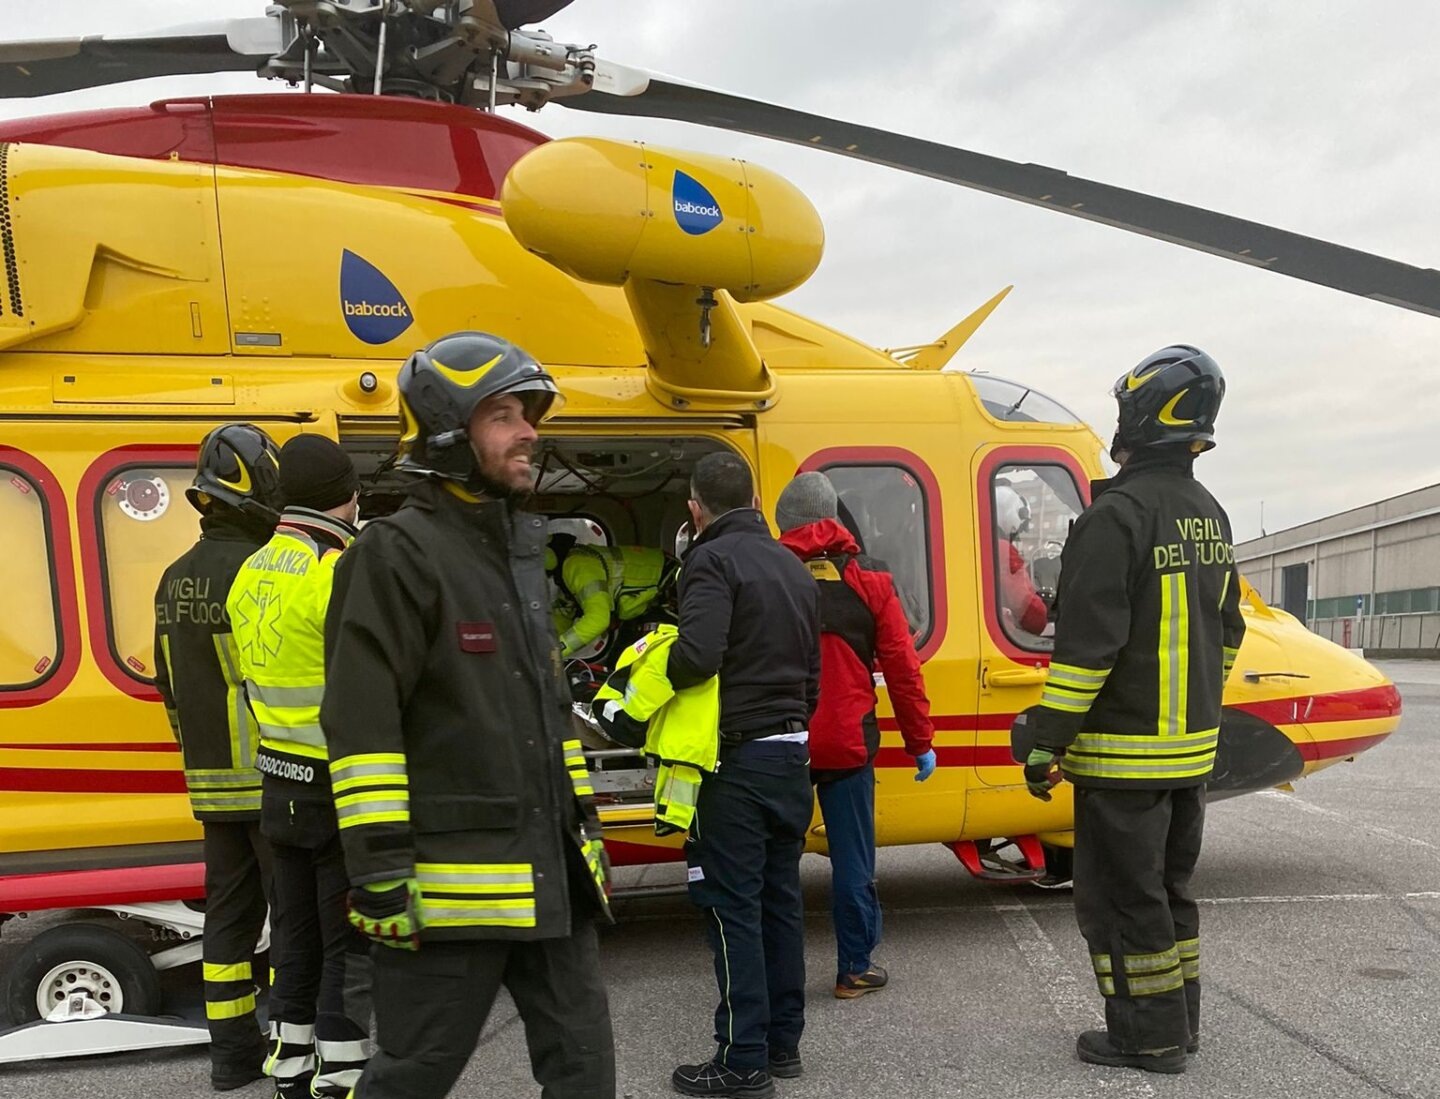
{"x": 320, "y": 997}
{"x": 431, "y": 1004}
{"x": 237, "y": 887}
{"x": 1135, "y": 851}
{"x": 744, "y": 853}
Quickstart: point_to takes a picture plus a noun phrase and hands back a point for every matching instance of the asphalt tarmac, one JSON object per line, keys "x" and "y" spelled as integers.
{"x": 1321, "y": 967}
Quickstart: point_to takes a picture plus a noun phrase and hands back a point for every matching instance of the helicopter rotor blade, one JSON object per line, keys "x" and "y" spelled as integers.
{"x": 620, "y": 90}
{"x": 48, "y": 66}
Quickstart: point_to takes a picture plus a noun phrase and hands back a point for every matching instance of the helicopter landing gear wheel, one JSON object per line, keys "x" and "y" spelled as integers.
{"x": 96, "y": 963}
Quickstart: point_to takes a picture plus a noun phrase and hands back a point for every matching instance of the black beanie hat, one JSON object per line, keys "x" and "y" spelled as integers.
{"x": 316, "y": 473}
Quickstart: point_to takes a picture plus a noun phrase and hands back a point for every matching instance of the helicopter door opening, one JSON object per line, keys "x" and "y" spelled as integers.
{"x": 625, "y": 491}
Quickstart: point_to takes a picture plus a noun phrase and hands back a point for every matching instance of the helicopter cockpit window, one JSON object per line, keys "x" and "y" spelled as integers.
{"x": 1032, "y": 508}
{"x": 1012, "y": 402}
{"x": 29, "y": 628}
{"x": 144, "y": 523}
{"x": 885, "y": 508}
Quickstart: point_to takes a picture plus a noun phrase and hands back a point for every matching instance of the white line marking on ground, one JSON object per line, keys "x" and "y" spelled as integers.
{"x": 1075, "y": 1007}
{"x": 1347, "y": 820}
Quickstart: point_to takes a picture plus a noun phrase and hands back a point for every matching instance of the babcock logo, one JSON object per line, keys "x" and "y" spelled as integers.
{"x": 696, "y": 210}
{"x": 374, "y": 310}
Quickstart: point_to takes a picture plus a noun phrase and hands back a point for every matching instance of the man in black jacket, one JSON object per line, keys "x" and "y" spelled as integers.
{"x": 465, "y": 811}
{"x": 749, "y": 611}
{"x": 1149, "y": 626}
{"x": 197, "y": 674}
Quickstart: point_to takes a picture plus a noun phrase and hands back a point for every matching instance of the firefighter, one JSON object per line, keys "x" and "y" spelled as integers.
{"x": 466, "y": 812}
{"x": 598, "y": 586}
{"x": 862, "y": 627}
{"x": 750, "y": 613}
{"x": 197, "y": 673}
{"x": 1149, "y": 626}
{"x": 277, "y": 610}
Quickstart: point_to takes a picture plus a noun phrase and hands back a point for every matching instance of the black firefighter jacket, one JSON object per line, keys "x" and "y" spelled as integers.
{"x": 1149, "y": 625}
{"x": 197, "y": 670}
{"x": 447, "y": 719}
{"x": 749, "y": 612}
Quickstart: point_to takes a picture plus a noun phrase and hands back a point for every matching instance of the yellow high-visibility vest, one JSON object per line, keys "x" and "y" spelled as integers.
{"x": 277, "y": 609}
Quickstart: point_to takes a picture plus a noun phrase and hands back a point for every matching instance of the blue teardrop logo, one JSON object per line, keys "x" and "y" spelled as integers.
{"x": 374, "y": 310}
{"x": 696, "y": 210}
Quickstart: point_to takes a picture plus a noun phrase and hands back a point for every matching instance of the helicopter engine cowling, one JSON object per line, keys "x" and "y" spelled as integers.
{"x": 611, "y": 211}
{"x": 686, "y": 235}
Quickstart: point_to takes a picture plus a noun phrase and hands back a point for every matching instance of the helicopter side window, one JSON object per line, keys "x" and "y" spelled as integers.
{"x": 885, "y": 508}
{"x": 1031, "y": 508}
{"x": 143, "y": 522}
{"x": 30, "y": 627}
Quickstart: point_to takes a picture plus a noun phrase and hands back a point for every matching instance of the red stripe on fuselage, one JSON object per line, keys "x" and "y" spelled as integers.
{"x": 59, "y": 780}
{"x": 91, "y": 888}
{"x": 93, "y": 746}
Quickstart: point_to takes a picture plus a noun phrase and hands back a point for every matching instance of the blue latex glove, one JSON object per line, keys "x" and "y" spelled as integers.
{"x": 925, "y": 765}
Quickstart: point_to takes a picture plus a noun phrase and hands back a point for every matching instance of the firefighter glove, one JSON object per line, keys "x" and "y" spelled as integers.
{"x": 1040, "y": 771}
{"x": 924, "y": 765}
{"x": 388, "y": 912}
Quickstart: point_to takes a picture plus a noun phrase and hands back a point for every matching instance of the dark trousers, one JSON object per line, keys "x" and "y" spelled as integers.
{"x": 320, "y": 998}
{"x": 1135, "y": 851}
{"x": 847, "y": 805}
{"x": 237, "y": 885}
{"x": 431, "y": 1004}
{"x": 744, "y": 853}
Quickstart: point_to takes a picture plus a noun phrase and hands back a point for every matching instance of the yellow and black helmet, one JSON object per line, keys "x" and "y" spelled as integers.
{"x": 1171, "y": 397}
{"x": 239, "y": 466}
{"x": 442, "y": 384}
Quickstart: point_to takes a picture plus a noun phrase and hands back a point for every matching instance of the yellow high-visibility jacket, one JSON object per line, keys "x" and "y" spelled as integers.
{"x": 684, "y": 726}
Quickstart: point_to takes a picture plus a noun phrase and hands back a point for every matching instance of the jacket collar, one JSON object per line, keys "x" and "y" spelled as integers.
{"x": 826, "y": 537}
{"x": 319, "y": 527}
{"x": 738, "y": 521}
{"x": 1173, "y": 460}
{"x": 225, "y": 524}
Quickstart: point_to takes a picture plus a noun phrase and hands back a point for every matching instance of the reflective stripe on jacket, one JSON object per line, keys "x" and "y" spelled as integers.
{"x": 277, "y": 610}
{"x": 1148, "y": 628}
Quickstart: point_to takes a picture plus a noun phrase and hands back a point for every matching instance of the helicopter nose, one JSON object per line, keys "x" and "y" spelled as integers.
{"x": 1252, "y": 755}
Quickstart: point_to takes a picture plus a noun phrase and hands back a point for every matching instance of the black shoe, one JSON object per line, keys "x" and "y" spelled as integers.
{"x": 713, "y": 1078}
{"x": 1094, "y": 1047}
{"x": 1193, "y": 1046}
{"x": 785, "y": 1063}
{"x": 230, "y": 1077}
{"x": 850, "y": 985}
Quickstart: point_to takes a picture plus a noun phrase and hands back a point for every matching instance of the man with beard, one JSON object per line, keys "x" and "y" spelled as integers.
{"x": 465, "y": 812}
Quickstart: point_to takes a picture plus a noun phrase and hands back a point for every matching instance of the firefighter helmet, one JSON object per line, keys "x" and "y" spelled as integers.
{"x": 1172, "y": 396}
{"x": 442, "y": 384}
{"x": 239, "y": 466}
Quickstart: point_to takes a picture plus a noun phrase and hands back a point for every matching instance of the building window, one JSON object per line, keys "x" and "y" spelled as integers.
{"x": 1032, "y": 506}
{"x": 30, "y": 636}
{"x": 144, "y": 523}
{"x": 885, "y": 508}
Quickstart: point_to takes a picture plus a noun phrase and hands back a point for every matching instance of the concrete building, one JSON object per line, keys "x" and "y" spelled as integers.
{"x": 1366, "y": 578}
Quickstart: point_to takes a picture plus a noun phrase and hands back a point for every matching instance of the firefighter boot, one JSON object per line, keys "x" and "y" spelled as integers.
{"x": 1094, "y": 1047}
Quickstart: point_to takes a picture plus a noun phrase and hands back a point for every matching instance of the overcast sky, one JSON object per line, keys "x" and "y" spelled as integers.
{"x": 1320, "y": 116}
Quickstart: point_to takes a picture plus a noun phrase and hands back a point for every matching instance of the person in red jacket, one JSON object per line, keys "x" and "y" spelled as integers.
{"x": 1019, "y": 601}
{"x": 862, "y": 626}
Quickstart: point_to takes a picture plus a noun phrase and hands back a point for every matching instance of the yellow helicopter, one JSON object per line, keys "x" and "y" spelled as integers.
{"x": 272, "y": 259}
